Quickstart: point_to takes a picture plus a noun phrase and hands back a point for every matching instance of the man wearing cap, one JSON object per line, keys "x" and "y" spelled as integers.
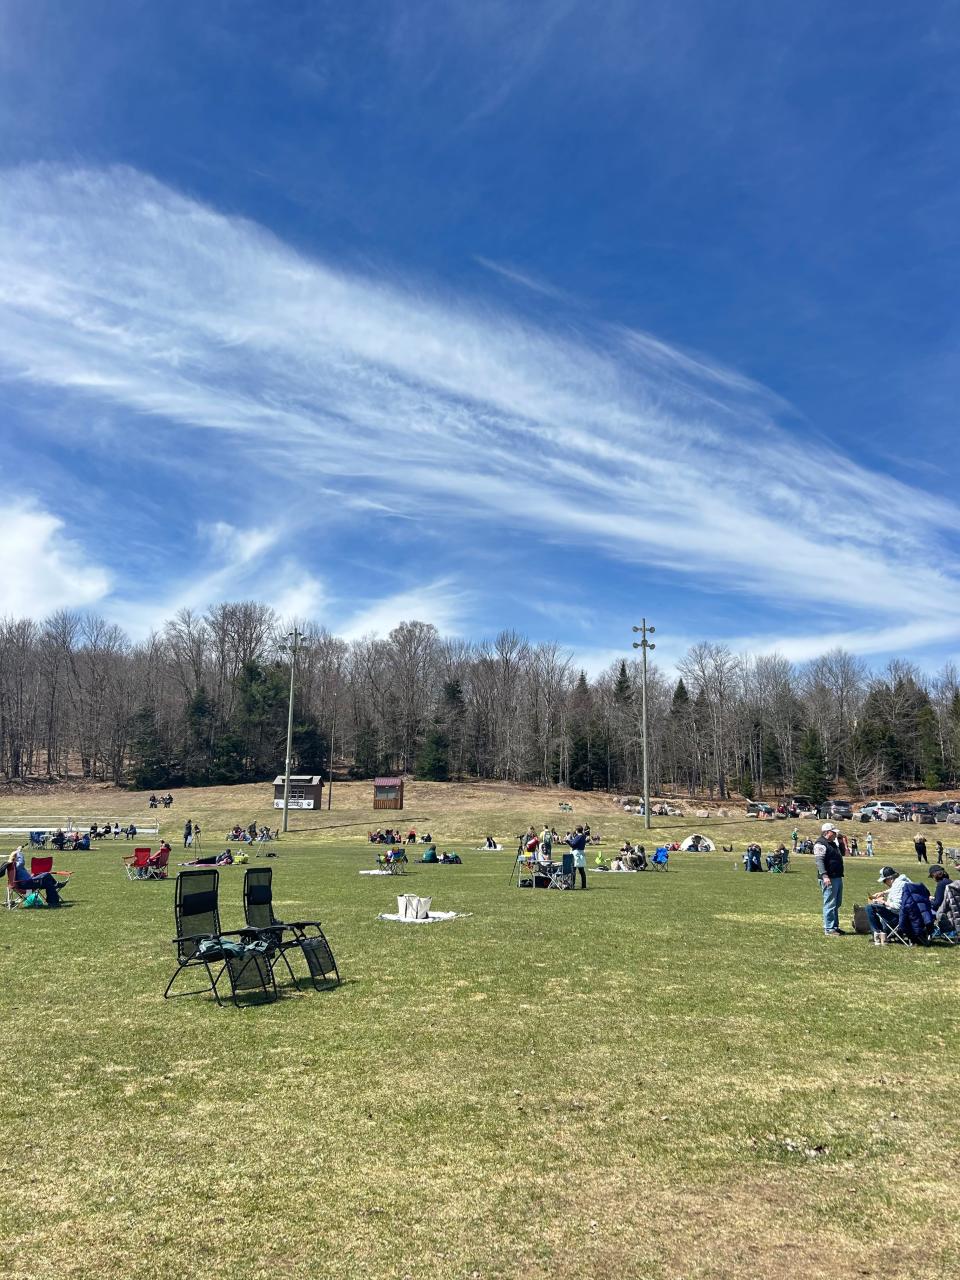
{"x": 828, "y": 859}
{"x": 882, "y": 914}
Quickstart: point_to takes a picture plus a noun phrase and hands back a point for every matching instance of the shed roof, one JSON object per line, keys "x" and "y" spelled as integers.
{"x": 387, "y": 782}
{"x": 310, "y": 779}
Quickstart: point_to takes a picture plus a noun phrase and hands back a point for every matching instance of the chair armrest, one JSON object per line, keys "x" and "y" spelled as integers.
{"x": 195, "y": 937}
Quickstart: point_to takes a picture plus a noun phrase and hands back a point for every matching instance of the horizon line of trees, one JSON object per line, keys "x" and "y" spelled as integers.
{"x": 204, "y": 701}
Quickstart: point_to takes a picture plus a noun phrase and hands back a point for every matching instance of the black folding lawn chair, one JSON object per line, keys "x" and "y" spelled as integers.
{"x": 305, "y": 935}
{"x": 241, "y": 954}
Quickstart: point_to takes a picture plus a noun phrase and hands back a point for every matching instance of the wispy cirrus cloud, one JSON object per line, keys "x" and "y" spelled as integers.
{"x": 116, "y": 289}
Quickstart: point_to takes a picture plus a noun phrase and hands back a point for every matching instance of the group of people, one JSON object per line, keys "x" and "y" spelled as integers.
{"x": 539, "y": 847}
{"x": 630, "y": 858}
{"x": 240, "y": 834}
{"x": 161, "y": 802}
{"x": 391, "y": 836}
{"x": 903, "y": 908}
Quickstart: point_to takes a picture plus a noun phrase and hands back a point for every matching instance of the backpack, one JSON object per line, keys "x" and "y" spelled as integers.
{"x": 33, "y": 899}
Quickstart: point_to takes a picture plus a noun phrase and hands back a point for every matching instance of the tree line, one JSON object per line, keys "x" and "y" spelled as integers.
{"x": 204, "y": 701}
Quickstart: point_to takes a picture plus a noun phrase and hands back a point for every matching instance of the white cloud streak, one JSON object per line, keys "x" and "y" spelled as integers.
{"x": 41, "y": 568}
{"x": 117, "y": 289}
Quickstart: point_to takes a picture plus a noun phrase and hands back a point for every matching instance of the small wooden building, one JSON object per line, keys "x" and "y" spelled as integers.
{"x": 388, "y": 793}
{"x": 306, "y": 791}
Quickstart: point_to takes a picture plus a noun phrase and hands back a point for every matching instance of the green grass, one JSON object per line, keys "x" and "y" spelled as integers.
{"x": 672, "y": 1075}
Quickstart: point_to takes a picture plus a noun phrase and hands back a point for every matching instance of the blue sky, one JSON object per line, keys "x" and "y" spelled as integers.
{"x": 542, "y": 315}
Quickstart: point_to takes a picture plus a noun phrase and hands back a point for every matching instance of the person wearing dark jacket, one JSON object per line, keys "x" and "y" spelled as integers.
{"x": 940, "y": 878}
{"x": 578, "y": 843}
{"x": 920, "y": 844}
{"x": 829, "y": 863}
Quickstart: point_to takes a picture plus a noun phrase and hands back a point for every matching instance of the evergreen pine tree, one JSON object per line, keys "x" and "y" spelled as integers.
{"x": 813, "y": 775}
{"x": 433, "y": 758}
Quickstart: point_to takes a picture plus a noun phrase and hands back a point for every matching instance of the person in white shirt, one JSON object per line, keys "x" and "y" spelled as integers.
{"x": 884, "y": 911}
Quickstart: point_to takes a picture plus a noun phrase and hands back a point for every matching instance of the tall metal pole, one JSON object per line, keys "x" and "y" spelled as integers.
{"x": 644, "y": 644}
{"x": 294, "y": 638}
{"x": 333, "y": 734}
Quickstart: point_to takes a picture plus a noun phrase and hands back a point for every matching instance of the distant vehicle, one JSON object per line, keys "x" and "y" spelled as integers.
{"x": 757, "y": 807}
{"x": 840, "y": 809}
{"x": 887, "y": 811}
{"x": 802, "y": 802}
{"x": 868, "y": 813}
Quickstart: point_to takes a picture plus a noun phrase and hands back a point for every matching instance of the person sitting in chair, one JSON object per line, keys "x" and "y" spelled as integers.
{"x": 883, "y": 909}
{"x": 940, "y": 878}
{"x": 489, "y": 843}
{"x": 25, "y": 882}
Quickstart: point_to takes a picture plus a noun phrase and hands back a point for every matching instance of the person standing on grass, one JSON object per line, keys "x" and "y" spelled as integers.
{"x": 578, "y": 843}
{"x": 187, "y": 833}
{"x": 939, "y": 853}
{"x": 829, "y": 863}
{"x": 920, "y": 844}
{"x": 546, "y": 842}
{"x": 869, "y": 844}
{"x": 795, "y": 836}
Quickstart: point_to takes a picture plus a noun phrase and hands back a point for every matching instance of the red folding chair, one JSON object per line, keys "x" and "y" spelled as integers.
{"x": 15, "y": 896}
{"x": 137, "y": 865}
{"x": 157, "y": 867}
{"x": 40, "y": 867}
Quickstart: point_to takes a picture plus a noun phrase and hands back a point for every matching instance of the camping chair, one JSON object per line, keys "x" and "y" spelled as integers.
{"x": 15, "y": 896}
{"x": 40, "y": 867}
{"x": 157, "y": 867}
{"x": 396, "y": 865}
{"x": 305, "y": 934}
{"x": 201, "y": 943}
{"x": 915, "y": 924}
{"x": 137, "y": 867}
{"x": 660, "y": 859}
{"x": 561, "y": 873}
{"x": 38, "y": 839}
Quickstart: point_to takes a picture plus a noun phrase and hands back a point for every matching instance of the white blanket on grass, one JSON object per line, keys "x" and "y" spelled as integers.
{"x": 433, "y": 917}
{"x": 377, "y": 871}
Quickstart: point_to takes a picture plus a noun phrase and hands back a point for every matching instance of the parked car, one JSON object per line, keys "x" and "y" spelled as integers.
{"x": 801, "y": 802}
{"x": 756, "y": 807}
{"x": 868, "y": 812}
{"x": 887, "y": 811}
{"x": 839, "y": 809}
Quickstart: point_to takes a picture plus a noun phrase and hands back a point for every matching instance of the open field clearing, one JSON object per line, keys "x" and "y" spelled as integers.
{"x": 669, "y": 1076}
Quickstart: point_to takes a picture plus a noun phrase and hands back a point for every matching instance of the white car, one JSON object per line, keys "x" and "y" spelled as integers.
{"x": 887, "y": 811}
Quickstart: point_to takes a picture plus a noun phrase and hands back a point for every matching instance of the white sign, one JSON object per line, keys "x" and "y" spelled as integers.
{"x": 294, "y": 804}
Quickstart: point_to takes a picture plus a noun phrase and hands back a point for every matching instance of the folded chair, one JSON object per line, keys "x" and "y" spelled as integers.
{"x": 201, "y": 943}
{"x": 305, "y": 934}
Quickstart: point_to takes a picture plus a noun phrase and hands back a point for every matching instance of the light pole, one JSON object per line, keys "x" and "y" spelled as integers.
{"x": 290, "y": 644}
{"x": 645, "y": 644}
{"x": 333, "y": 734}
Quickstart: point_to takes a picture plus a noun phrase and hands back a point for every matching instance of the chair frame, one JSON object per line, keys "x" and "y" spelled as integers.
{"x": 157, "y": 869}
{"x": 137, "y": 866}
{"x": 205, "y": 884}
{"x": 15, "y": 897}
{"x": 259, "y": 914}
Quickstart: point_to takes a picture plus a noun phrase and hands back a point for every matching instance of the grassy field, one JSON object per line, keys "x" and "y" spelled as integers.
{"x": 669, "y": 1076}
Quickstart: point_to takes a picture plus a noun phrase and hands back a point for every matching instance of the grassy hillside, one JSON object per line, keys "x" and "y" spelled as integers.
{"x": 671, "y": 1076}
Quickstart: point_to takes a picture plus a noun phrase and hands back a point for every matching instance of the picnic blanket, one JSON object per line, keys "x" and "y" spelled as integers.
{"x": 432, "y": 917}
{"x": 377, "y": 871}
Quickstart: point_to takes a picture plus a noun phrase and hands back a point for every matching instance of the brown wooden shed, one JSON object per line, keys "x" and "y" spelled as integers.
{"x": 306, "y": 791}
{"x": 388, "y": 793}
